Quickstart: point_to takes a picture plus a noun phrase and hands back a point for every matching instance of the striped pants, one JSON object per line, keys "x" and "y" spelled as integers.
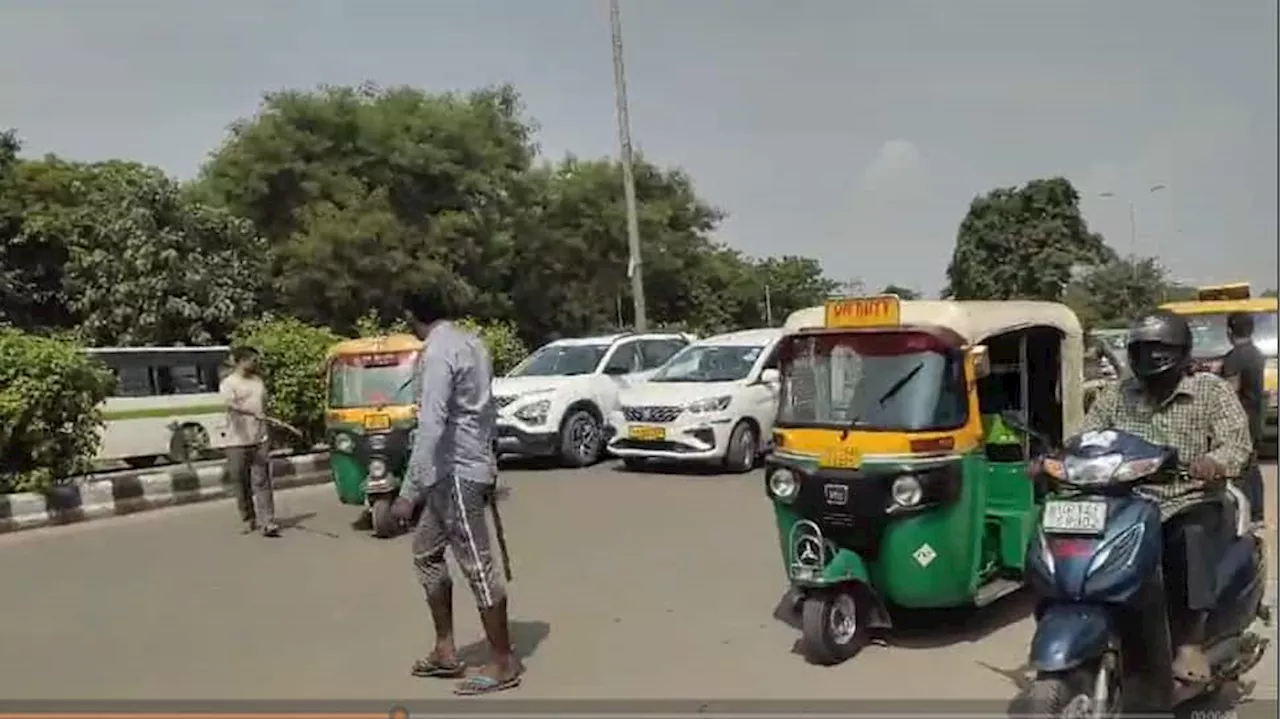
{"x": 453, "y": 517}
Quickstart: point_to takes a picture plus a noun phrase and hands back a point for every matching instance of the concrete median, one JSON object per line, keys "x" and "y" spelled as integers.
{"x": 143, "y": 491}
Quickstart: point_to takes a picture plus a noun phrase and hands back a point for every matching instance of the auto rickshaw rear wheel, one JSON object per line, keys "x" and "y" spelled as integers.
{"x": 832, "y": 626}
{"x": 385, "y": 525}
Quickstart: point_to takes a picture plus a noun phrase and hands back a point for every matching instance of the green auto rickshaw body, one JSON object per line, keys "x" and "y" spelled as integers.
{"x": 370, "y": 415}
{"x": 923, "y": 514}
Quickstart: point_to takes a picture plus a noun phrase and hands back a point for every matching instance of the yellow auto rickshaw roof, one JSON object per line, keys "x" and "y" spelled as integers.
{"x": 973, "y": 321}
{"x": 1217, "y": 307}
{"x": 375, "y": 345}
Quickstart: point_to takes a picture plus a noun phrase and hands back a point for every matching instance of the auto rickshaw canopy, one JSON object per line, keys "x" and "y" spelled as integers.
{"x": 376, "y": 345}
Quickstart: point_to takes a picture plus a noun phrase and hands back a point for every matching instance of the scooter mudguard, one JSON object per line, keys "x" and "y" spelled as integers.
{"x": 1068, "y": 635}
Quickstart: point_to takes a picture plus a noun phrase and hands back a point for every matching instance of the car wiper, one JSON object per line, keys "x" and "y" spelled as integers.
{"x": 903, "y": 382}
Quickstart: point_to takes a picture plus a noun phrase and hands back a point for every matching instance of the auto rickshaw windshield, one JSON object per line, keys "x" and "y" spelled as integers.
{"x": 372, "y": 380}
{"x": 893, "y": 381}
{"x": 1210, "y": 340}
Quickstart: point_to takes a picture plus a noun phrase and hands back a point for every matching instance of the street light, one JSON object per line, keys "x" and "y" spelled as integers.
{"x": 634, "y": 270}
{"x": 1133, "y": 215}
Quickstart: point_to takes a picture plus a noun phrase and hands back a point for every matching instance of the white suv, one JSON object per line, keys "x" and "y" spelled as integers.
{"x": 554, "y": 402}
{"x": 713, "y": 402}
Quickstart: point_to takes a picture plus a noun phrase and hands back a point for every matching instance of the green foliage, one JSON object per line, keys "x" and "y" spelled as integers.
{"x": 1112, "y": 294}
{"x": 904, "y": 293}
{"x": 50, "y": 419}
{"x": 1023, "y": 243}
{"x": 503, "y": 342}
{"x": 370, "y": 325}
{"x": 292, "y": 361}
{"x": 1271, "y": 292}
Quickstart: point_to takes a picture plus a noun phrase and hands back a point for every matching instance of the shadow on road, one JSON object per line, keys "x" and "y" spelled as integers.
{"x": 942, "y": 627}
{"x": 527, "y": 636}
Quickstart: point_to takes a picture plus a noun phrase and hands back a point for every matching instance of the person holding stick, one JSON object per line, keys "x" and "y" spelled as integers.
{"x": 452, "y": 473}
{"x": 248, "y": 449}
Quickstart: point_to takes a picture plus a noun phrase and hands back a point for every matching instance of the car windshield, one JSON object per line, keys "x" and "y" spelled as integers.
{"x": 709, "y": 363}
{"x": 1209, "y": 334}
{"x": 373, "y": 380}
{"x": 904, "y": 381}
{"x": 561, "y": 359}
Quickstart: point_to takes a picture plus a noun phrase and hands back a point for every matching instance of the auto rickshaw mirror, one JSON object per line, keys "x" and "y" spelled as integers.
{"x": 981, "y": 361}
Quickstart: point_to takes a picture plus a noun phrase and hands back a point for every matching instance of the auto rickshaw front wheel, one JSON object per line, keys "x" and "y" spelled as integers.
{"x": 385, "y": 525}
{"x": 832, "y": 626}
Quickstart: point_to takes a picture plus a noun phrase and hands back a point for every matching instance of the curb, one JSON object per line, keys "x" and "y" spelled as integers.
{"x": 143, "y": 492}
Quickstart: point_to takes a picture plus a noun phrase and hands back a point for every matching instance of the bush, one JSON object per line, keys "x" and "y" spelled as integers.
{"x": 50, "y": 410}
{"x": 292, "y": 362}
{"x": 505, "y": 348}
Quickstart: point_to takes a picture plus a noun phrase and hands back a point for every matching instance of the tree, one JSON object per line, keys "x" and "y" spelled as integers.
{"x": 905, "y": 293}
{"x": 115, "y": 251}
{"x": 366, "y": 192}
{"x": 1112, "y": 294}
{"x": 1269, "y": 292}
{"x": 1023, "y": 243}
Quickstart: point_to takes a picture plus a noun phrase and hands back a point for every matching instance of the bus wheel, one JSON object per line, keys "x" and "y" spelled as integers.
{"x": 189, "y": 443}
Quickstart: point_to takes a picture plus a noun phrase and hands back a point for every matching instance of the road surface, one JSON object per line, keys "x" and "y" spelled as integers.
{"x": 646, "y": 586}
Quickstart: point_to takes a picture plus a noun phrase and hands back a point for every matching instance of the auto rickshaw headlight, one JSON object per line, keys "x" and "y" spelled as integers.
{"x": 344, "y": 443}
{"x": 377, "y": 469}
{"x": 783, "y": 485}
{"x": 906, "y": 491}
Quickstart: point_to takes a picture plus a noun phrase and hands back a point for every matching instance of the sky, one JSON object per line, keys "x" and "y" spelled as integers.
{"x": 853, "y": 131}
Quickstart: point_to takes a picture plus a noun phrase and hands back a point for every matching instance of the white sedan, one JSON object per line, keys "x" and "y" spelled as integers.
{"x": 714, "y": 401}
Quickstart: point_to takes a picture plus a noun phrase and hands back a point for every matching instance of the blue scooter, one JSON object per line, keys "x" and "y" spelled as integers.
{"x": 1103, "y": 641}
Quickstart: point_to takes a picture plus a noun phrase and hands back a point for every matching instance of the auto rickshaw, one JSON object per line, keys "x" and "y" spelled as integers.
{"x": 369, "y": 419}
{"x": 895, "y": 483}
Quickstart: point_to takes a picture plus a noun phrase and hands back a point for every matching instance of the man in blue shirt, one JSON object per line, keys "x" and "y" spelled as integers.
{"x": 452, "y": 472}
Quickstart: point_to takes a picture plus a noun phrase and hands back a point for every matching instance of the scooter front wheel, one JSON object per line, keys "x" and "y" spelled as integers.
{"x": 833, "y": 631}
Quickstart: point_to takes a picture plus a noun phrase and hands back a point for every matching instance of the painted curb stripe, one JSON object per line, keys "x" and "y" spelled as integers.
{"x": 72, "y": 504}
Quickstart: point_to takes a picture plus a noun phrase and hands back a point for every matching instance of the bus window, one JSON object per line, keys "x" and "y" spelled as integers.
{"x": 186, "y": 379}
{"x": 133, "y": 381}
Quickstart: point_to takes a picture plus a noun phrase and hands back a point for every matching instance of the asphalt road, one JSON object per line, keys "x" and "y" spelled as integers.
{"x": 644, "y": 586}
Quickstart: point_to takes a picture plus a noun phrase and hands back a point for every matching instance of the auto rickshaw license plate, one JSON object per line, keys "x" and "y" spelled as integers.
{"x": 1074, "y": 517}
{"x": 377, "y": 421}
{"x": 645, "y": 433}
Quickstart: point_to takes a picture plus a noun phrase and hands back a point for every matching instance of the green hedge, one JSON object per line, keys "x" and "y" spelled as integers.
{"x": 50, "y": 410}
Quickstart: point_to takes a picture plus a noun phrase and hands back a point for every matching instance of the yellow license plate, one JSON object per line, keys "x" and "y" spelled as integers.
{"x": 377, "y": 421}
{"x": 841, "y": 458}
{"x": 648, "y": 434}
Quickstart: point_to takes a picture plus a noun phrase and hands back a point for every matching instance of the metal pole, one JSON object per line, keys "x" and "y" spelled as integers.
{"x": 768, "y": 307}
{"x": 1133, "y": 230}
{"x": 634, "y": 264}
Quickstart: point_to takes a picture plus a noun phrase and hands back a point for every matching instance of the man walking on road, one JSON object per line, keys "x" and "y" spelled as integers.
{"x": 452, "y": 472}
{"x": 248, "y": 452}
{"x": 1244, "y": 367}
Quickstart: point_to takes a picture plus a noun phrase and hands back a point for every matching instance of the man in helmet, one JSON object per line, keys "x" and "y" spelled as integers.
{"x": 1198, "y": 415}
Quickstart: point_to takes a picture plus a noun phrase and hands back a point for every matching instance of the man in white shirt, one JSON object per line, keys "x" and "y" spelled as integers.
{"x": 248, "y": 452}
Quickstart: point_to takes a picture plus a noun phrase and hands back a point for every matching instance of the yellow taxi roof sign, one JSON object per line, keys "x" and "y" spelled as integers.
{"x": 1233, "y": 291}
{"x": 856, "y": 312}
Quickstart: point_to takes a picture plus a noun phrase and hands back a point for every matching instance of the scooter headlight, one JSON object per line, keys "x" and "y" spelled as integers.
{"x": 783, "y": 485}
{"x": 1092, "y": 470}
{"x": 906, "y": 491}
{"x": 344, "y": 443}
{"x": 377, "y": 469}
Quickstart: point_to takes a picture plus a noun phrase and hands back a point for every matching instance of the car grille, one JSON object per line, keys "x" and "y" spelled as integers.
{"x": 504, "y": 399}
{"x": 658, "y": 415}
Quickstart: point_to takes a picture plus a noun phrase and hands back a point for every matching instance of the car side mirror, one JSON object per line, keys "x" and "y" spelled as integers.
{"x": 981, "y": 361}
{"x": 770, "y": 376}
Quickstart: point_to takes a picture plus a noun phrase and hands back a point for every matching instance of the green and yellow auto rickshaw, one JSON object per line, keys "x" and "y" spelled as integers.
{"x": 369, "y": 421}
{"x": 894, "y": 481}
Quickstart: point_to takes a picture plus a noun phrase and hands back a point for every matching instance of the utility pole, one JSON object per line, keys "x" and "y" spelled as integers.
{"x": 634, "y": 263}
{"x": 1133, "y": 236}
{"x": 768, "y": 307}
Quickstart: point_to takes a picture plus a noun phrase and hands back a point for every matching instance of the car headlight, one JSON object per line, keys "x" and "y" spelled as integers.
{"x": 711, "y": 404}
{"x": 377, "y": 469}
{"x": 1092, "y": 470}
{"x": 782, "y": 484}
{"x": 344, "y": 443}
{"x": 906, "y": 491}
{"x": 534, "y": 412}
{"x": 377, "y": 441}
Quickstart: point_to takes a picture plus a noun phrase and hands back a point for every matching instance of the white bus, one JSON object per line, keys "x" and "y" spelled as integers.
{"x": 166, "y": 404}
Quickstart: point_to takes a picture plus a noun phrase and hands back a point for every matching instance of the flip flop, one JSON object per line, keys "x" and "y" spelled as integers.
{"x": 430, "y": 668}
{"x": 481, "y": 684}
{"x": 1191, "y": 669}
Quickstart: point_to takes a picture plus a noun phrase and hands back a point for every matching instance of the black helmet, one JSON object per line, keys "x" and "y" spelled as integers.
{"x": 1159, "y": 344}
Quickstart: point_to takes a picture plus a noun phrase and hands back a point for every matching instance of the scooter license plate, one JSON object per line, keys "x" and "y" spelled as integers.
{"x": 1081, "y": 517}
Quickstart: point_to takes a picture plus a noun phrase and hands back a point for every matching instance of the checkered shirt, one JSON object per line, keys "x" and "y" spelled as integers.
{"x": 1201, "y": 418}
